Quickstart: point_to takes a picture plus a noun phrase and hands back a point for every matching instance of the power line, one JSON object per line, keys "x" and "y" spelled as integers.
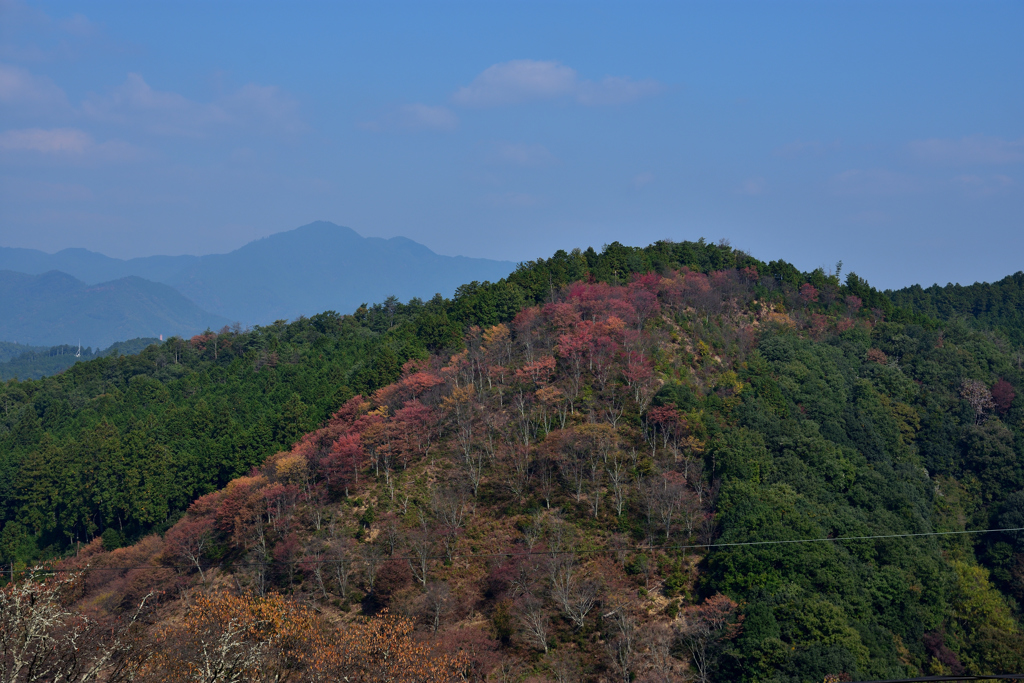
{"x": 548, "y": 553}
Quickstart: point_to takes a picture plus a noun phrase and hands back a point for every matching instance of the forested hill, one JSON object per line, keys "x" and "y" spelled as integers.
{"x": 55, "y": 308}
{"x": 9, "y": 350}
{"x": 998, "y": 305}
{"x": 38, "y": 362}
{"x": 529, "y": 476}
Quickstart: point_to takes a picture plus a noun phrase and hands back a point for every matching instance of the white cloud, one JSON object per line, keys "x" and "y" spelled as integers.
{"x": 35, "y": 36}
{"x": 522, "y": 154}
{"x": 427, "y": 116}
{"x": 879, "y": 182}
{"x": 53, "y": 141}
{"x": 526, "y": 80}
{"x": 134, "y": 102}
{"x": 79, "y": 25}
{"x": 19, "y": 87}
{"x": 973, "y": 150}
{"x": 66, "y": 143}
{"x": 265, "y": 104}
{"x": 416, "y": 116}
{"x": 983, "y": 186}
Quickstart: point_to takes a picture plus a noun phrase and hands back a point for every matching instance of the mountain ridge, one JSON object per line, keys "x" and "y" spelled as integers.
{"x": 315, "y": 267}
{"x": 54, "y": 308}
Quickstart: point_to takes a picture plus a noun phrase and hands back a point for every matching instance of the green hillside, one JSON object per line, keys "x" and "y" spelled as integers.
{"x": 990, "y": 306}
{"x": 9, "y": 350}
{"x": 620, "y": 465}
{"x": 37, "y": 362}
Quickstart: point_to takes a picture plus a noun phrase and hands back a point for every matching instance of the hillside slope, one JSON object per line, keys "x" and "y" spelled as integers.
{"x": 554, "y": 492}
{"x": 55, "y": 308}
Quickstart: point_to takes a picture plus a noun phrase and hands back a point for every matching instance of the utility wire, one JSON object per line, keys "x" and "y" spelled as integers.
{"x": 549, "y": 553}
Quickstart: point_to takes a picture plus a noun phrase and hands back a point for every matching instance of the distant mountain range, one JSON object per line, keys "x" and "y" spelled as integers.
{"x": 318, "y": 267}
{"x": 56, "y": 308}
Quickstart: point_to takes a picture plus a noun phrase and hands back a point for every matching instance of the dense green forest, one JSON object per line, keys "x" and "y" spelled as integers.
{"x": 989, "y": 306}
{"x": 623, "y": 416}
{"x": 31, "y": 362}
{"x": 9, "y": 350}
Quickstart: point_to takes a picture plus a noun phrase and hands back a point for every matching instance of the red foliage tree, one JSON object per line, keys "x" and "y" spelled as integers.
{"x": 416, "y": 423}
{"x": 1003, "y": 395}
{"x": 341, "y": 465}
{"x": 645, "y": 304}
{"x": 808, "y": 293}
{"x": 563, "y": 317}
{"x": 188, "y": 540}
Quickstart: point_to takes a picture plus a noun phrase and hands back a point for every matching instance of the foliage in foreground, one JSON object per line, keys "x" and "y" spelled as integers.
{"x": 222, "y": 637}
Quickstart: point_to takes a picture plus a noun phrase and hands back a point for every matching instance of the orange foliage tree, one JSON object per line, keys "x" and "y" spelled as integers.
{"x": 250, "y": 638}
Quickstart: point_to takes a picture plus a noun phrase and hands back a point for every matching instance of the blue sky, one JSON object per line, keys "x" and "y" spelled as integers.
{"x": 887, "y": 135}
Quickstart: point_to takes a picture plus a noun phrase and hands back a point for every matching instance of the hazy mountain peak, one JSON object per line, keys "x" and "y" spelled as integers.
{"x": 314, "y": 267}
{"x": 55, "y": 308}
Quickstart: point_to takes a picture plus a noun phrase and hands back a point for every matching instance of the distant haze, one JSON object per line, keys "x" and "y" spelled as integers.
{"x": 55, "y": 308}
{"x": 54, "y": 298}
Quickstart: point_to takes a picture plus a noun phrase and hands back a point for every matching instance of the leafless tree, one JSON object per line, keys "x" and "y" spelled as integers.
{"x": 515, "y": 470}
{"x": 574, "y": 593}
{"x": 373, "y": 557}
{"x": 704, "y": 627}
{"x": 508, "y": 670}
{"x": 449, "y": 505}
{"x": 546, "y": 480}
{"x": 43, "y": 639}
{"x": 708, "y": 528}
{"x": 342, "y": 564}
{"x": 314, "y": 564}
{"x": 649, "y": 500}
{"x": 437, "y": 602}
{"x": 656, "y": 644}
{"x": 392, "y": 536}
{"x": 422, "y": 544}
{"x": 668, "y": 501}
{"x": 535, "y": 623}
{"x": 574, "y": 468}
{"x": 596, "y": 478}
{"x": 524, "y": 580}
{"x": 623, "y": 647}
{"x": 618, "y": 479}
{"x": 565, "y": 666}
